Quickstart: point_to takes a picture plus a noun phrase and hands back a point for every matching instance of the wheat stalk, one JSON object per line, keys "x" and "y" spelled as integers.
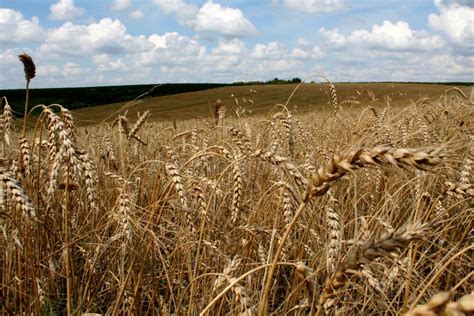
{"x": 29, "y": 69}
{"x": 332, "y": 220}
{"x": 237, "y": 192}
{"x": 367, "y": 252}
{"x": 380, "y": 155}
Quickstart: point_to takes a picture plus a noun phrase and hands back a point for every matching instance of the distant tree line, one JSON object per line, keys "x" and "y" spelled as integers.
{"x": 75, "y": 98}
{"x": 275, "y": 80}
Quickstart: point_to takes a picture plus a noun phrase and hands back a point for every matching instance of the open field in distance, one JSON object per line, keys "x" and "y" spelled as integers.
{"x": 260, "y": 99}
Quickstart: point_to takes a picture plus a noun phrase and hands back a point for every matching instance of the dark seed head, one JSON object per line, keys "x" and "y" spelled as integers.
{"x": 28, "y": 65}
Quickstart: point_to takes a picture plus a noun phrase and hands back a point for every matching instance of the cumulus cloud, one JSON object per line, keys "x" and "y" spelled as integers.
{"x": 231, "y": 47}
{"x": 104, "y": 52}
{"x": 106, "y": 36}
{"x": 211, "y": 18}
{"x": 72, "y": 71}
{"x": 15, "y": 28}
{"x": 272, "y": 50}
{"x": 399, "y": 52}
{"x": 120, "y": 5}
{"x": 171, "y": 49}
{"x": 271, "y": 59}
{"x": 455, "y": 21}
{"x": 304, "y": 50}
{"x": 451, "y": 65}
{"x": 47, "y": 70}
{"x": 333, "y": 37}
{"x": 277, "y": 51}
{"x": 214, "y": 18}
{"x": 8, "y": 57}
{"x": 105, "y": 63}
{"x": 314, "y": 6}
{"x": 65, "y": 10}
{"x": 185, "y": 12}
{"x": 388, "y": 36}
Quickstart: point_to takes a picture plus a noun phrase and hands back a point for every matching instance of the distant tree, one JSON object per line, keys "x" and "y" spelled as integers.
{"x": 296, "y": 80}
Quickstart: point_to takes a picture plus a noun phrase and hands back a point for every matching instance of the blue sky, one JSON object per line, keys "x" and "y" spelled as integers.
{"x": 88, "y": 42}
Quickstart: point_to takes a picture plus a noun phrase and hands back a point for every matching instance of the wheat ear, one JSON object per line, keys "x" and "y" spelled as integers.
{"x": 29, "y": 69}
{"x": 368, "y": 252}
{"x": 339, "y": 166}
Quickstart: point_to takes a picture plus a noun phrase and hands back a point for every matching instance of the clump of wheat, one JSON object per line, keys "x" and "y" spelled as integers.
{"x": 99, "y": 222}
{"x": 6, "y": 120}
{"x": 16, "y": 194}
{"x": 441, "y": 304}
{"x": 367, "y": 252}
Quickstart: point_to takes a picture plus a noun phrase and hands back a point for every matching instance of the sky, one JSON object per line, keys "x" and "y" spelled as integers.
{"x": 115, "y": 42}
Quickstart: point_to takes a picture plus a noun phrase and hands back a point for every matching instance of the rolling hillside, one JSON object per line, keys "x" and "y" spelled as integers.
{"x": 259, "y": 99}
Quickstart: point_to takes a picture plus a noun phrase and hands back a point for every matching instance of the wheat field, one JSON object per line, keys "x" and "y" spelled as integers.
{"x": 347, "y": 210}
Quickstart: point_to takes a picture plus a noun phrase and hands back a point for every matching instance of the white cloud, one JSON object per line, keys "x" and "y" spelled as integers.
{"x": 333, "y": 37}
{"x": 272, "y": 50}
{"x": 396, "y": 36}
{"x": 16, "y": 29}
{"x": 10, "y": 70}
{"x": 274, "y": 59}
{"x": 211, "y": 18}
{"x": 214, "y": 18}
{"x": 105, "y": 63}
{"x": 184, "y": 12}
{"x": 226, "y": 58}
{"x": 72, "y": 70}
{"x": 65, "y": 10}
{"x": 277, "y": 51}
{"x": 8, "y": 57}
{"x": 120, "y": 5}
{"x": 137, "y": 14}
{"x": 232, "y": 47}
{"x": 106, "y": 36}
{"x": 104, "y": 52}
{"x": 171, "y": 49}
{"x": 47, "y": 70}
{"x": 304, "y": 50}
{"x": 314, "y": 6}
{"x": 455, "y": 21}
{"x": 388, "y": 36}
{"x": 450, "y": 65}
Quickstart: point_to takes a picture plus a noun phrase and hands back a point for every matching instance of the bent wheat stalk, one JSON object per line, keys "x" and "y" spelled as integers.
{"x": 367, "y": 252}
{"x": 339, "y": 166}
